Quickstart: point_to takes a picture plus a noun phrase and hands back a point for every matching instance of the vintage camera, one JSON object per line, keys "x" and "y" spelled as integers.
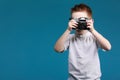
{"x": 82, "y": 23}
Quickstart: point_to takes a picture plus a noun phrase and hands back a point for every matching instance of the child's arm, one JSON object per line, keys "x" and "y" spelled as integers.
{"x": 59, "y": 46}
{"x": 104, "y": 43}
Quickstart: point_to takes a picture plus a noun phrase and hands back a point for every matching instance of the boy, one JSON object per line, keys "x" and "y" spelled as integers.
{"x": 83, "y": 46}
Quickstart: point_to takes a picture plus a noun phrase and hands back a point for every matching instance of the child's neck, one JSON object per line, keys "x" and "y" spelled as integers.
{"x": 81, "y": 32}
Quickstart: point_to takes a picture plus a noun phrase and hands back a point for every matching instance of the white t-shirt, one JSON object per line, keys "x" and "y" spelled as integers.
{"x": 83, "y": 57}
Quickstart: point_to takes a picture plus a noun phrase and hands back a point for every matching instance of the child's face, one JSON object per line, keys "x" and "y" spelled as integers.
{"x": 80, "y": 14}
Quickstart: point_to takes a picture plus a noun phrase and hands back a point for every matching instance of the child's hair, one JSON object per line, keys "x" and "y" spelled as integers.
{"x": 82, "y": 7}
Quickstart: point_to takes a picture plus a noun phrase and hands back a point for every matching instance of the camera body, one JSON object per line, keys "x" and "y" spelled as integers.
{"x": 82, "y": 23}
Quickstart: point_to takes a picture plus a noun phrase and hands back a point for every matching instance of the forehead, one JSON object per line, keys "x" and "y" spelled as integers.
{"x": 80, "y": 14}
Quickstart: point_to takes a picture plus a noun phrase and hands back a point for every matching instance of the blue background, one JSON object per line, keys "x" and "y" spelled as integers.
{"x": 30, "y": 28}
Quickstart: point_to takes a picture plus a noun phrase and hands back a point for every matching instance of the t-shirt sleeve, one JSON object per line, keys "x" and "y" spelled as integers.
{"x": 67, "y": 42}
{"x": 98, "y": 44}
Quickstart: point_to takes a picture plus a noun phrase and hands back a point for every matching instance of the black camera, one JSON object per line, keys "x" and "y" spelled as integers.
{"x": 82, "y": 23}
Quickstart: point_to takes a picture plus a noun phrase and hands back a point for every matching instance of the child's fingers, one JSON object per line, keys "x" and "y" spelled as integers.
{"x": 73, "y": 21}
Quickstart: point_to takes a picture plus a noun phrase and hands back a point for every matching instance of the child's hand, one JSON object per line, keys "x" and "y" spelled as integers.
{"x": 90, "y": 24}
{"x": 72, "y": 24}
